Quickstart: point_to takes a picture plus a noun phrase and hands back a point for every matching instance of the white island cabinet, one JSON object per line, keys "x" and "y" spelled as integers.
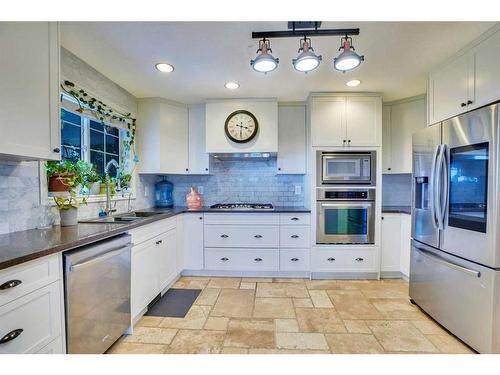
{"x": 29, "y": 94}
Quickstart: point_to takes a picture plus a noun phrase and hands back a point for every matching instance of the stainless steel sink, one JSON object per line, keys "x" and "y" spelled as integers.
{"x": 124, "y": 218}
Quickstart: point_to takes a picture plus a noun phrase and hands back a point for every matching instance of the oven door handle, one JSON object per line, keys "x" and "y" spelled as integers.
{"x": 369, "y": 204}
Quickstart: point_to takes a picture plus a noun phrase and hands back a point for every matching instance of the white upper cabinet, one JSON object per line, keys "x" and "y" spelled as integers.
{"x": 264, "y": 110}
{"x": 328, "y": 121}
{"x": 29, "y": 94}
{"x": 449, "y": 89}
{"x": 469, "y": 81}
{"x": 346, "y": 120}
{"x": 401, "y": 119}
{"x": 162, "y": 136}
{"x": 486, "y": 72}
{"x": 292, "y": 139}
{"x": 198, "y": 158}
{"x": 363, "y": 121}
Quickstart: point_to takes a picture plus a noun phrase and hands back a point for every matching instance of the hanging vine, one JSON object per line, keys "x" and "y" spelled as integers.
{"x": 104, "y": 113}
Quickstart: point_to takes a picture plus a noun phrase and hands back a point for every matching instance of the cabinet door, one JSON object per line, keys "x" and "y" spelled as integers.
{"x": 198, "y": 157}
{"x": 166, "y": 258}
{"x": 487, "y": 72}
{"x": 448, "y": 90}
{"x": 143, "y": 276}
{"x": 292, "y": 139}
{"x": 386, "y": 139}
{"x": 391, "y": 242}
{"x": 405, "y": 244}
{"x": 406, "y": 118}
{"x": 193, "y": 241}
{"x": 328, "y": 121}
{"x": 174, "y": 139}
{"x": 29, "y": 97}
{"x": 363, "y": 121}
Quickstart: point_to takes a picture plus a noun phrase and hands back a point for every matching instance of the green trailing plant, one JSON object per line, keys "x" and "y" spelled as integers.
{"x": 66, "y": 203}
{"x": 61, "y": 168}
{"x": 103, "y": 112}
{"x": 87, "y": 173}
{"x": 125, "y": 179}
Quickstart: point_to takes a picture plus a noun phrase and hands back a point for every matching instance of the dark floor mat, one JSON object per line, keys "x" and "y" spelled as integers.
{"x": 174, "y": 303}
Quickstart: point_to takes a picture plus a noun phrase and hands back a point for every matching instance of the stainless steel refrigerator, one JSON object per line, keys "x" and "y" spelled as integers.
{"x": 455, "y": 253}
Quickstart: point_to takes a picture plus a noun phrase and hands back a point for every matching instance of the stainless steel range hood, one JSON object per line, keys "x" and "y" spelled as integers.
{"x": 234, "y": 156}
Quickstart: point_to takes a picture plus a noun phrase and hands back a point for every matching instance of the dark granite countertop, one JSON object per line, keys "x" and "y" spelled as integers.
{"x": 21, "y": 247}
{"x": 397, "y": 209}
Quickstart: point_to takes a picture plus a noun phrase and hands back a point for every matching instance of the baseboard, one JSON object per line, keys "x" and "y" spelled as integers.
{"x": 391, "y": 275}
{"x": 214, "y": 273}
{"x": 345, "y": 275}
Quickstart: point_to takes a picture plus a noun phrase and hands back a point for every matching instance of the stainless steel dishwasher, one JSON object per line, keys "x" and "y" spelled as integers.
{"x": 97, "y": 294}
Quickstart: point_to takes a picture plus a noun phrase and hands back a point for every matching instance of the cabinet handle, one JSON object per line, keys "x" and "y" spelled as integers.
{"x": 206, "y": 169}
{"x": 57, "y": 149}
{"x": 388, "y": 169}
{"x": 331, "y": 259}
{"x": 11, "y": 335}
{"x": 463, "y": 104}
{"x": 279, "y": 169}
{"x": 258, "y": 236}
{"x": 187, "y": 169}
{"x": 349, "y": 141}
{"x": 10, "y": 284}
{"x": 343, "y": 142}
{"x": 469, "y": 102}
{"x": 258, "y": 259}
{"x": 224, "y": 259}
{"x": 294, "y": 259}
{"x": 382, "y": 218}
{"x": 294, "y": 236}
{"x": 294, "y": 218}
{"x": 224, "y": 236}
{"x": 201, "y": 218}
{"x": 159, "y": 242}
{"x": 359, "y": 259}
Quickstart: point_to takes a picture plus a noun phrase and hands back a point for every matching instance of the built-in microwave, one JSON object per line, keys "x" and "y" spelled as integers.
{"x": 346, "y": 167}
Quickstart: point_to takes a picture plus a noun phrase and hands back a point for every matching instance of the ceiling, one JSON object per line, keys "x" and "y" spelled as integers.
{"x": 398, "y": 57}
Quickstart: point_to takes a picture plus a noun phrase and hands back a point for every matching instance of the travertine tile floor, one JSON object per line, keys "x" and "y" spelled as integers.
{"x": 264, "y": 315}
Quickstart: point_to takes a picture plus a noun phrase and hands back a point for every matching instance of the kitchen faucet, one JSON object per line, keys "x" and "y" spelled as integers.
{"x": 112, "y": 162}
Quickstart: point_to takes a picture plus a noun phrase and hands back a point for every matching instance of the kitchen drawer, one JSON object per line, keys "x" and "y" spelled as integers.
{"x": 295, "y": 236}
{"x": 55, "y": 347}
{"x": 242, "y": 259}
{"x": 146, "y": 232}
{"x": 241, "y": 235}
{"x": 294, "y": 260}
{"x": 31, "y": 275}
{"x": 344, "y": 260}
{"x": 38, "y": 314}
{"x": 295, "y": 219}
{"x": 235, "y": 218}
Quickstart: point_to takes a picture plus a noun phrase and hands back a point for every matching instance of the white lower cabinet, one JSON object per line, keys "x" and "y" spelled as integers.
{"x": 242, "y": 235}
{"x": 35, "y": 320}
{"x": 294, "y": 236}
{"x": 193, "y": 241}
{"x": 237, "y": 259}
{"x": 154, "y": 262}
{"x": 345, "y": 259}
{"x": 395, "y": 250}
{"x": 294, "y": 260}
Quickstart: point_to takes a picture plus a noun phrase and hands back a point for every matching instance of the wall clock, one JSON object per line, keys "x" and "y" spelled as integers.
{"x": 241, "y": 126}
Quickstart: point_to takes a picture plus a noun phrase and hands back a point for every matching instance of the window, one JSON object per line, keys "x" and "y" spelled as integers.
{"x": 83, "y": 138}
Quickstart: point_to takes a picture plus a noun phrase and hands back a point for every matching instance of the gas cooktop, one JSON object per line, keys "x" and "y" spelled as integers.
{"x": 242, "y": 206}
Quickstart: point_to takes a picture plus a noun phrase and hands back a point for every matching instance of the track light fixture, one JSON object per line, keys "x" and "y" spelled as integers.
{"x": 348, "y": 59}
{"x": 264, "y": 62}
{"x": 307, "y": 60}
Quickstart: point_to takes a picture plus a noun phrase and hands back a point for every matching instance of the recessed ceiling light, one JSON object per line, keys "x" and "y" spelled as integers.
{"x": 353, "y": 83}
{"x": 232, "y": 85}
{"x": 164, "y": 67}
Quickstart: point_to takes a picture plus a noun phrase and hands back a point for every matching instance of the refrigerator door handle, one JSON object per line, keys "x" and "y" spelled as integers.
{"x": 443, "y": 194}
{"x": 434, "y": 190}
{"x": 439, "y": 189}
{"x": 446, "y": 262}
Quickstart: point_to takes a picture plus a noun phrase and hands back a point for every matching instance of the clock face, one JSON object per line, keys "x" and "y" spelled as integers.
{"x": 241, "y": 126}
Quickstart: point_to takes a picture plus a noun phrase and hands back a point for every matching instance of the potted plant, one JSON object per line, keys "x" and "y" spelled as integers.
{"x": 125, "y": 179}
{"x": 89, "y": 176}
{"x": 68, "y": 208}
{"x": 61, "y": 176}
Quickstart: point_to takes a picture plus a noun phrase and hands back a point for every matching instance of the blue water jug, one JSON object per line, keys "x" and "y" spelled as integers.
{"x": 164, "y": 194}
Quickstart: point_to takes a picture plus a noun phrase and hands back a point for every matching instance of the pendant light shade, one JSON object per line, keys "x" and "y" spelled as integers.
{"x": 348, "y": 59}
{"x": 307, "y": 60}
{"x": 264, "y": 62}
